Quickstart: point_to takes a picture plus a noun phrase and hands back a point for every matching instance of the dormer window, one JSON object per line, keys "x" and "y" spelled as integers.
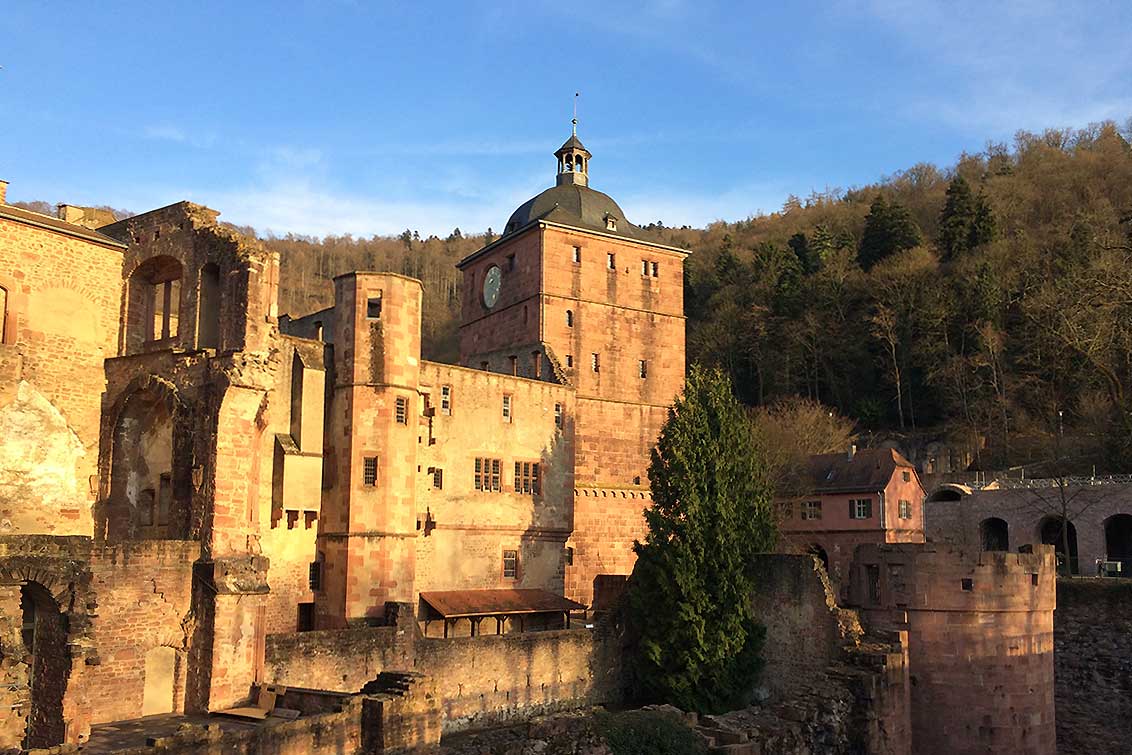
{"x": 610, "y": 223}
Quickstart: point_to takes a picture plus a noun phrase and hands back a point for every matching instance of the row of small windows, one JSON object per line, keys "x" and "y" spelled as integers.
{"x": 595, "y": 364}
{"x": 649, "y": 268}
{"x": 488, "y": 476}
{"x": 859, "y": 508}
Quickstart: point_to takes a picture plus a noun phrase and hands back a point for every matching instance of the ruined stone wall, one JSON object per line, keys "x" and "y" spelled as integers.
{"x": 468, "y": 529}
{"x": 143, "y": 593}
{"x": 339, "y": 660}
{"x": 1092, "y": 635}
{"x": 62, "y": 321}
{"x": 492, "y": 679}
{"x": 606, "y": 522}
{"x": 980, "y": 629}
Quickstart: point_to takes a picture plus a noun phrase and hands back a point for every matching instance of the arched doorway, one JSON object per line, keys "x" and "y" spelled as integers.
{"x": 1118, "y": 541}
{"x": 45, "y": 641}
{"x": 995, "y": 534}
{"x": 1051, "y": 534}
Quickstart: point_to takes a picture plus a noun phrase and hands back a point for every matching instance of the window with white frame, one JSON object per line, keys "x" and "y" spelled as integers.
{"x": 861, "y": 508}
{"x": 506, "y": 407}
{"x": 445, "y": 399}
{"x": 510, "y": 564}
{"x": 905, "y": 509}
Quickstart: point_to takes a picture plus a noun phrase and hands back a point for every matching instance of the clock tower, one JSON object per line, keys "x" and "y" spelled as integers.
{"x": 573, "y": 292}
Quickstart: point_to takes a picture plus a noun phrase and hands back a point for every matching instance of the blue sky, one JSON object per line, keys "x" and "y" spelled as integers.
{"x": 358, "y": 117}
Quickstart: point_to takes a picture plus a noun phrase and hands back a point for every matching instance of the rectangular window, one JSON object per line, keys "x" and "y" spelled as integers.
{"x": 907, "y": 476}
{"x": 314, "y": 576}
{"x": 610, "y": 261}
{"x": 506, "y": 407}
{"x": 147, "y": 508}
{"x": 445, "y": 399}
{"x": 173, "y": 307}
{"x": 811, "y": 510}
{"x": 373, "y": 307}
{"x": 558, "y": 415}
{"x": 861, "y": 508}
{"x": 527, "y": 477}
{"x": 164, "y": 305}
{"x": 401, "y": 411}
{"x": 905, "y": 509}
{"x": 514, "y": 360}
{"x": 645, "y": 268}
{"x": 643, "y": 368}
{"x": 536, "y": 364}
{"x": 369, "y": 471}
{"x": 655, "y": 269}
{"x": 510, "y": 263}
{"x": 569, "y": 360}
{"x": 595, "y": 362}
{"x": 488, "y": 475}
{"x": 510, "y": 564}
{"x": 577, "y": 255}
{"x": 438, "y": 478}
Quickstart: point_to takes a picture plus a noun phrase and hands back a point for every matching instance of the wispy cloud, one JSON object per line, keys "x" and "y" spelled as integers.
{"x": 167, "y": 132}
{"x": 1012, "y": 64}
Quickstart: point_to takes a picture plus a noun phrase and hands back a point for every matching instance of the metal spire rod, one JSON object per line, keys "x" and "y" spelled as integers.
{"x": 575, "y": 121}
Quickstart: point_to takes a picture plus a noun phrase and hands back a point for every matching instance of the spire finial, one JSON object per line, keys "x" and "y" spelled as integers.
{"x": 574, "y": 130}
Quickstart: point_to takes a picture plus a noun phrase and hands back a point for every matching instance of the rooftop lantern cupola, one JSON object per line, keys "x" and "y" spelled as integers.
{"x": 573, "y": 161}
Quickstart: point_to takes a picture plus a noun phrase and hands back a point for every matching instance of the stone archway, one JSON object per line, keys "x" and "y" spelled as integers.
{"x": 160, "y": 681}
{"x": 44, "y": 634}
{"x": 1050, "y": 533}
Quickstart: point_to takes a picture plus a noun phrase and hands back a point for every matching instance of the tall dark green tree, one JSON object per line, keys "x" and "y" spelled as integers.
{"x": 984, "y": 226}
{"x": 889, "y": 228}
{"x": 689, "y": 597}
{"x": 956, "y": 219}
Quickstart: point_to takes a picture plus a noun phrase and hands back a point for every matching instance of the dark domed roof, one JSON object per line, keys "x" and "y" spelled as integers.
{"x": 573, "y": 205}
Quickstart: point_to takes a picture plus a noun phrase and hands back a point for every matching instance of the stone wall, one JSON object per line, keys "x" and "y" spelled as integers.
{"x": 143, "y": 593}
{"x": 61, "y": 321}
{"x": 339, "y": 660}
{"x": 827, "y": 680}
{"x": 1092, "y": 634}
{"x": 492, "y": 679}
{"x": 606, "y": 522}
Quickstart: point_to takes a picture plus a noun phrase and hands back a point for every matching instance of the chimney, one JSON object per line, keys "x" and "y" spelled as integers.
{"x": 852, "y": 451}
{"x": 3, "y": 192}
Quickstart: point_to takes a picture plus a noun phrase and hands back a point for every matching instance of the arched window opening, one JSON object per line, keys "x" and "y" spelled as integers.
{"x": 208, "y": 308}
{"x": 1118, "y": 542}
{"x": 45, "y": 642}
{"x": 945, "y": 494}
{"x": 142, "y": 503}
{"x": 154, "y": 302}
{"x": 995, "y": 534}
{"x": 1051, "y": 533}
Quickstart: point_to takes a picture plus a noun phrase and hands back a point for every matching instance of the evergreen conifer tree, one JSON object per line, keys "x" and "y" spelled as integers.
{"x": 956, "y": 219}
{"x": 983, "y": 225}
{"x": 889, "y": 229}
{"x": 690, "y": 594}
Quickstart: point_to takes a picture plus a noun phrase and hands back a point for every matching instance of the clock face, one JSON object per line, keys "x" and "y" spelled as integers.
{"x": 491, "y": 284}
